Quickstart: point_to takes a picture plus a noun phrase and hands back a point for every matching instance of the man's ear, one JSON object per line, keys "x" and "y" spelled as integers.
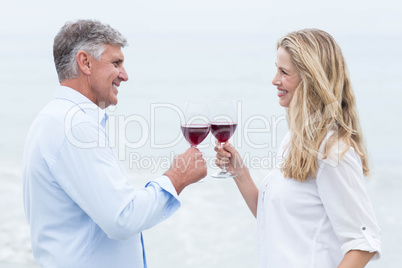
{"x": 84, "y": 62}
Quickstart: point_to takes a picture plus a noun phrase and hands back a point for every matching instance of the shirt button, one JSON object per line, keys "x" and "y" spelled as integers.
{"x": 364, "y": 228}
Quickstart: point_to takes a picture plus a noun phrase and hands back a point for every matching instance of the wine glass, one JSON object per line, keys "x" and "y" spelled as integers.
{"x": 195, "y": 126}
{"x": 223, "y": 124}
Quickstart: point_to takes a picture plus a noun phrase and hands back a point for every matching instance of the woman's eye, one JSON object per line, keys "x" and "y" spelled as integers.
{"x": 284, "y": 72}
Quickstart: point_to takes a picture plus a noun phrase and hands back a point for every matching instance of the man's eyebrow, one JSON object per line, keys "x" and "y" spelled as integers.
{"x": 118, "y": 60}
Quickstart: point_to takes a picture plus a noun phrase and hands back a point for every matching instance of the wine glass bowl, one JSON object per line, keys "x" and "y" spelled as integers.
{"x": 222, "y": 131}
{"x": 195, "y": 123}
{"x": 195, "y": 133}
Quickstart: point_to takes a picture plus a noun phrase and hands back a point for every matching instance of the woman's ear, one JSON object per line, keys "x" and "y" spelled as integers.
{"x": 84, "y": 62}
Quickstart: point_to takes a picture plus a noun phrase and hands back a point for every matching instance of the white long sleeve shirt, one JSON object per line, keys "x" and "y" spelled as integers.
{"x": 80, "y": 206}
{"x": 315, "y": 223}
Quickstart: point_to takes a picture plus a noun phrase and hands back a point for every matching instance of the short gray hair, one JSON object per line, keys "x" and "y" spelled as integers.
{"x": 89, "y": 35}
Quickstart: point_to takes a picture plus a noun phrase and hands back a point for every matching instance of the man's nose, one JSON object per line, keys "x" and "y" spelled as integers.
{"x": 123, "y": 74}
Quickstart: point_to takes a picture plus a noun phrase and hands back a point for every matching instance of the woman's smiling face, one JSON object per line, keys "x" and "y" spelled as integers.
{"x": 287, "y": 79}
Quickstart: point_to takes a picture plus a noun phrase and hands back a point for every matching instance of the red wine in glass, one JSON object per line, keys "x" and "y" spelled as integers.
{"x": 195, "y": 133}
{"x": 223, "y": 130}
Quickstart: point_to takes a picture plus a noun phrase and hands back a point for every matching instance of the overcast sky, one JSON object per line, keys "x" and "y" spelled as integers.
{"x": 262, "y": 16}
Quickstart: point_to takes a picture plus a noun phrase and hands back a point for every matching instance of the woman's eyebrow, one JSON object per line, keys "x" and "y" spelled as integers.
{"x": 280, "y": 67}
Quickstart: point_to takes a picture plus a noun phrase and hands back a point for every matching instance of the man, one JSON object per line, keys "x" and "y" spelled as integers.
{"x": 81, "y": 209}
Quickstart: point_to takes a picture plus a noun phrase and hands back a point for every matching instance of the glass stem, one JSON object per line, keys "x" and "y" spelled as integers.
{"x": 223, "y": 167}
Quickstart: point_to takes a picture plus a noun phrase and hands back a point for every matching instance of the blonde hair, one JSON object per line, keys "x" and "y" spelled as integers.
{"x": 323, "y": 103}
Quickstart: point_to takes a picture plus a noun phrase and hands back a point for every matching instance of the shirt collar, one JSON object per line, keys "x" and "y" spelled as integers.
{"x": 87, "y": 106}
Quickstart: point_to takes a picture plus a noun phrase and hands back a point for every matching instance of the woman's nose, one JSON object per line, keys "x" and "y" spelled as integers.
{"x": 275, "y": 80}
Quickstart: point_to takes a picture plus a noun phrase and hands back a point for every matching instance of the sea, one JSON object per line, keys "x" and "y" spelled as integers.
{"x": 213, "y": 227}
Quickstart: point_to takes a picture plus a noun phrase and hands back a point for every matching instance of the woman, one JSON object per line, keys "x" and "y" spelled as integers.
{"x": 312, "y": 210}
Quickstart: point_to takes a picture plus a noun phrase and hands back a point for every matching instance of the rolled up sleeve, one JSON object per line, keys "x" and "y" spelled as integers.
{"x": 342, "y": 190}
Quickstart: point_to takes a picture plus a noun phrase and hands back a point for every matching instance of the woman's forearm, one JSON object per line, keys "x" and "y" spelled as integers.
{"x": 227, "y": 154}
{"x": 356, "y": 259}
{"x": 248, "y": 189}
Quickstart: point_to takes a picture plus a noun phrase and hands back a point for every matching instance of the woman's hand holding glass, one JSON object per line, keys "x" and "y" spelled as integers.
{"x": 229, "y": 158}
